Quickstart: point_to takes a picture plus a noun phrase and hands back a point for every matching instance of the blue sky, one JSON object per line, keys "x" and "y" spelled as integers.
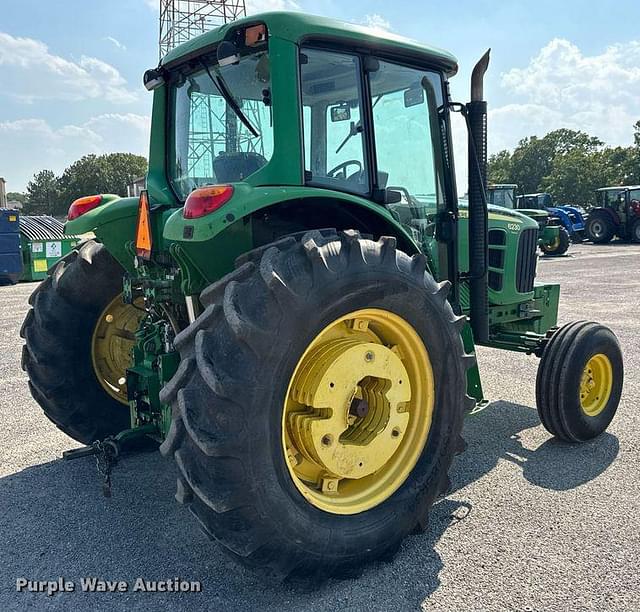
{"x": 71, "y": 71}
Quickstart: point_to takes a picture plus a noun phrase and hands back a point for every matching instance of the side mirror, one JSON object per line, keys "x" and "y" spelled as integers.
{"x": 153, "y": 79}
{"x": 341, "y": 112}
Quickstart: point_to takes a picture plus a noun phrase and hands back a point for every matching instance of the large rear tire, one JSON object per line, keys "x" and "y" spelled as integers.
{"x": 58, "y": 355}
{"x": 252, "y": 417}
{"x": 635, "y": 231}
{"x": 599, "y": 228}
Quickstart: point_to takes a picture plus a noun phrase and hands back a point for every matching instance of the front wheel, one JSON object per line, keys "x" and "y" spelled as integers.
{"x": 579, "y": 381}
{"x": 318, "y": 404}
{"x": 559, "y": 245}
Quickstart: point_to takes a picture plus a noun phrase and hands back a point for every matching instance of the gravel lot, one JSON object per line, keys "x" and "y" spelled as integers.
{"x": 532, "y": 524}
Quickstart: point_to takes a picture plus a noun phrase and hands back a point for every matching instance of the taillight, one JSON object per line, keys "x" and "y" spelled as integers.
{"x": 83, "y": 205}
{"x": 205, "y": 200}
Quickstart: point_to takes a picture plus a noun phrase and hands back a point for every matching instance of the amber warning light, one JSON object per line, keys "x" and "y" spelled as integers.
{"x": 143, "y": 229}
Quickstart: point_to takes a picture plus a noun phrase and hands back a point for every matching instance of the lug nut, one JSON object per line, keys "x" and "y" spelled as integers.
{"x": 369, "y": 356}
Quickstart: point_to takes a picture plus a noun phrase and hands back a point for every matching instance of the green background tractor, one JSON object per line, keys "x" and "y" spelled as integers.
{"x": 617, "y": 214}
{"x": 553, "y": 239}
{"x": 291, "y": 310}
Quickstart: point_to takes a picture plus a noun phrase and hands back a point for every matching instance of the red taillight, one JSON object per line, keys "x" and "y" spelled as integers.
{"x": 205, "y": 200}
{"x": 83, "y": 205}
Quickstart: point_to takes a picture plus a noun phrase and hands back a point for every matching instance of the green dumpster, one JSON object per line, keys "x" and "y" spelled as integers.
{"x": 43, "y": 242}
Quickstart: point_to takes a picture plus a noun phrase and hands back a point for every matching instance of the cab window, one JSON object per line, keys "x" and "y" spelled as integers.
{"x": 405, "y": 105}
{"x": 333, "y": 129}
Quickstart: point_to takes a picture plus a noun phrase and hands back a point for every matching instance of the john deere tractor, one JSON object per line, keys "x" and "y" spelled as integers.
{"x": 571, "y": 218}
{"x": 553, "y": 238}
{"x": 617, "y": 213}
{"x": 291, "y": 310}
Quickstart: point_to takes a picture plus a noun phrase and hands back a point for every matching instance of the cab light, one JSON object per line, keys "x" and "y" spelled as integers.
{"x": 144, "y": 241}
{"x": 205, "y": 200}
{"x": 83, "y": 205}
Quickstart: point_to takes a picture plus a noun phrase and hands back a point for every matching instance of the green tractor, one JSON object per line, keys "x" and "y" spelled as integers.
{"x": 553, "y": 238}
{"x": 291, "y": 310}
{"x": 617, "y": 214}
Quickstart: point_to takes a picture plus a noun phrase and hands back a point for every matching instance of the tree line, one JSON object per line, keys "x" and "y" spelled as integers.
{"x": 48, "y": 194}
{"x": 568, "y": 164}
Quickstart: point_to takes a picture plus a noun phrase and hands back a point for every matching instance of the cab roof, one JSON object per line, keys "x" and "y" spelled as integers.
{"x": 299, "y": 27}
{"x": 620, "y": 188}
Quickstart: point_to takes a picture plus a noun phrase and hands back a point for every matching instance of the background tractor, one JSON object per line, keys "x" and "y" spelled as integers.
{"x": 570, "y": 217}
{"x": 291, "y": 310}
{"x": 617, "y": 214}
{"x": 553, "y": 238}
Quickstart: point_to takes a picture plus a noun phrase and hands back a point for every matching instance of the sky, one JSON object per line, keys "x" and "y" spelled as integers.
{"x": 71, "y": 72}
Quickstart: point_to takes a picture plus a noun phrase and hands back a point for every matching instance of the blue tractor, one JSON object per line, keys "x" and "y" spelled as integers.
{"x": 570, "y": 217}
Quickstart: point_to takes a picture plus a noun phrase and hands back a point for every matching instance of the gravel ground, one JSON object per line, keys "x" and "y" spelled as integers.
{"x": 532, "y": 524}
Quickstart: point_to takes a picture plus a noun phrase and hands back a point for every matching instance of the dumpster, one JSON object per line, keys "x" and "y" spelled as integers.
{"x": 10, "y": 254}
{"x": 43, "y": 243}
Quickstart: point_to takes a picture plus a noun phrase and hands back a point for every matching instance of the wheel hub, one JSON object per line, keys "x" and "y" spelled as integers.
{"x": 335, "y": 377}
{"x": 596, "y": 384}
{"x": 596, "y": 228}
{"x": 358, "y": 411}
{"x": 111, "y": 346}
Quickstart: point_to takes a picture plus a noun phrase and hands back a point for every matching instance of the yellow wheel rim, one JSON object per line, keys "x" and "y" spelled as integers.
{"x": 358, "y": 411}
{"x": 596, "y": 384}
{"x": 554, "y": 244}
{"x": 111, "y": 346}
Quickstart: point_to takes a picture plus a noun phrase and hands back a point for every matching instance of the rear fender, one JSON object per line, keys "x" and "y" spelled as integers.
{"x": 114, "y": 225}
{"x": 206, "y": 248}
{"x": 605, "y": 212}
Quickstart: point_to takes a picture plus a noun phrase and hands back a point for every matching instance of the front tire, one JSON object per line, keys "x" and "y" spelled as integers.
{"x": 579, "y": 381}
{"x": 559, "y": 246}
{"x": 59, "y": 333}
{"x": 249, "y": 458}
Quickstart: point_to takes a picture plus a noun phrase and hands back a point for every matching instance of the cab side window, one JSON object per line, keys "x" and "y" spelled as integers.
{"x": 333, "y": 131}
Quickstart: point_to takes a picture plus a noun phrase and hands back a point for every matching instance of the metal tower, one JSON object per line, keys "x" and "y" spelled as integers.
{"x": 181, "y": 20}
{"x": 210, "y": 132}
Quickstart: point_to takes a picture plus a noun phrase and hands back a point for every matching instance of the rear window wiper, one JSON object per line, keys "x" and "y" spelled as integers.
{"x": 223, "y": 88}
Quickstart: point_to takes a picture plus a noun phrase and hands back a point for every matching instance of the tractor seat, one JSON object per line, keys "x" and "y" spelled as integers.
{"x": 235, "y": 167}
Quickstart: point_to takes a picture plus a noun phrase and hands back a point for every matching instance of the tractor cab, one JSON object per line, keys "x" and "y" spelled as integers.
{"x": 616, "y": 214}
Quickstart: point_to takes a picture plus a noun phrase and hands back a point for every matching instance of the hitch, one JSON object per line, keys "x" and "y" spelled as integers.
{"x": 108, "y": 451}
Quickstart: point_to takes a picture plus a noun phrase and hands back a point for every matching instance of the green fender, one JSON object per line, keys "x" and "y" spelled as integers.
{"x": 113, "y": 223}
{"x": 204, "y": 260}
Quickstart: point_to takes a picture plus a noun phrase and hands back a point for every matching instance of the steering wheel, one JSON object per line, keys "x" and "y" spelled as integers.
{"x": 340, "y": 171}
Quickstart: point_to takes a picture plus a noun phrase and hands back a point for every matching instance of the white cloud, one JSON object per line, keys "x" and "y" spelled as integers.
{"x": 377, "y": 23}
{"x": 262, "y": 6}
{"x": 30, "y": 72}
{"x": 153, "y": 4}
{"x": 562, "y": 87}
{"x": 115, "y": 42}
{"x": 33, "y": 145}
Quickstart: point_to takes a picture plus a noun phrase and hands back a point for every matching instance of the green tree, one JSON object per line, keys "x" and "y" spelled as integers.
{"x": 43, "y": 192}
{"x": 499, "y": 169}
{"x": 636, "y": 133}
{"x": 15, "y": 196}
{"x": 94, "y": 174}
{"x": 576, "y": 175}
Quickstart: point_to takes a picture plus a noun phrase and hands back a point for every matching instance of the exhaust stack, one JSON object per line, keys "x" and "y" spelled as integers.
{"x": 478, "y": 224}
